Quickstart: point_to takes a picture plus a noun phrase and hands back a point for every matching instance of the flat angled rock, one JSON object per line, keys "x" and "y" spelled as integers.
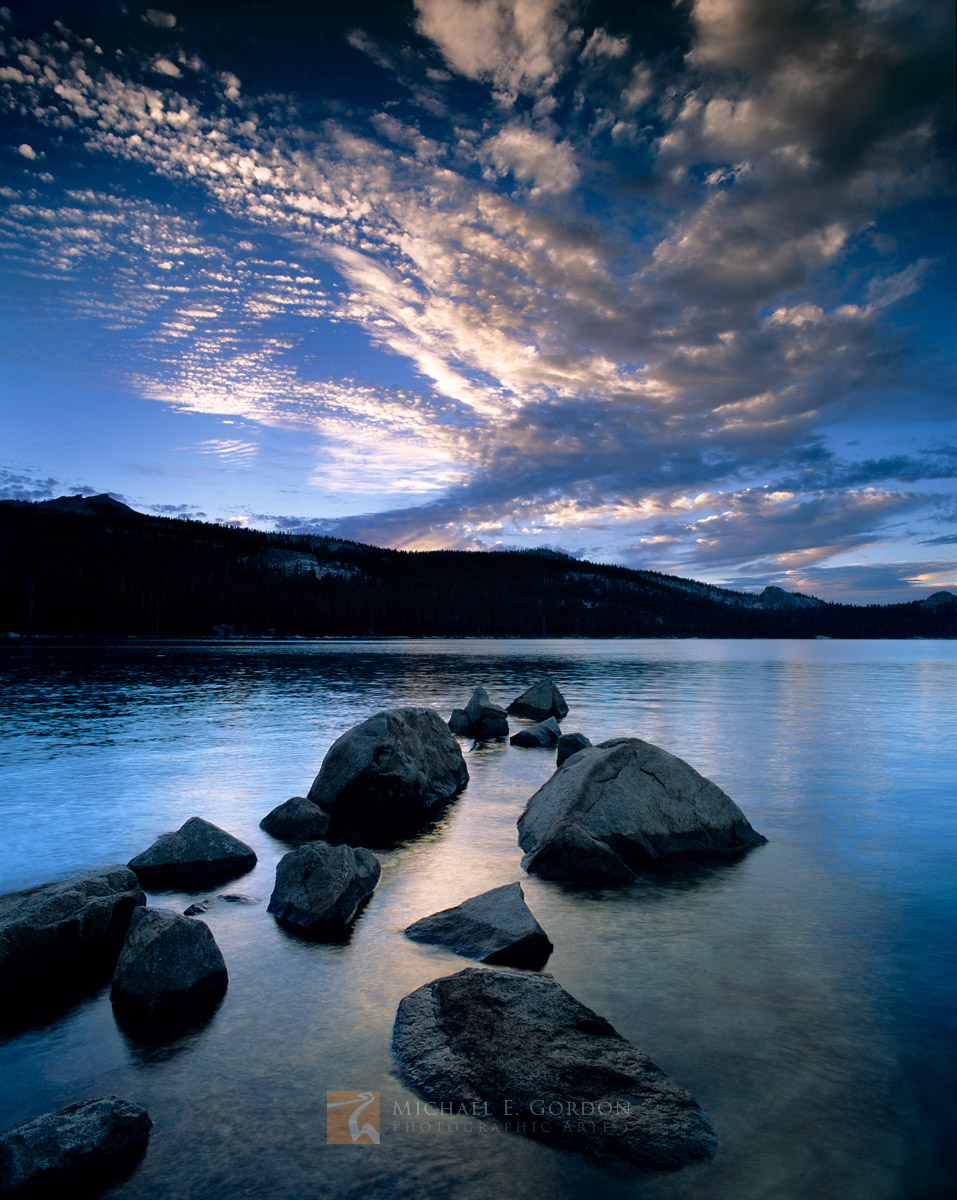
{"x": 540, "y": 701}
{"x": 620, "y": 807}
{"x": 296, "y": 820}
{"x": 197, "y": 853}
{"x": 53, "y": 935}
{"x": 81, "y": 1149}
{"x": 531, "y": 1054}
{"x": 321, "y": 888}
{"x": 169, "y": 966}
{"x": 386, "y": 776}
{"x": 495, "y": 927}
{"x": 544, "y": 733}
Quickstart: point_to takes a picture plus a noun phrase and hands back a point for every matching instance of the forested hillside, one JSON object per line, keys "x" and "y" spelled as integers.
{"x": 93, "y": 567}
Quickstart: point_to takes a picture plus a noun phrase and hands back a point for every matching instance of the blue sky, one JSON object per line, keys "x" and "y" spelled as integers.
{"x": 669, "y": 285}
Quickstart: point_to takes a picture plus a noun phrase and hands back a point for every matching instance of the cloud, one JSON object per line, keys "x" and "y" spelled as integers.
{"x": 871, "y": 583}
{"x": 533, "y": 157}
{"x": 519, "y": 46}
{"x": 17, "y": 484}
{"x": 229, "y": 450}
{"x": 158, "y": 18}
{"x": 27, "y": 151}
{"x": 945, "y": 539}
{"x": 891, "y": 288}
{"x": 163, "y": 66}
{"x": 601, "y": 45}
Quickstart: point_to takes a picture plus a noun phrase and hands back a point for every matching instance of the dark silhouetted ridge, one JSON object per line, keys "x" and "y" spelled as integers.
{"x": 90, "y": 566}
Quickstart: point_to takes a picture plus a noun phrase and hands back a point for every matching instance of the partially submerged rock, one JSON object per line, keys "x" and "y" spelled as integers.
{"x": 544, "y": 733}
{"x": 198, "y": 907}
{"x": 459, "y": 722}
{"x": 524, "y": 1050}
{"x": 495, "y": 927}
{"x": 569, "y": 744}
{"x": 195, "y": 854}
{"x": 296, "y": 820}
{"x": 61, "y": 933}
{"x": 486, "y": 720}
{"x": 384, "y": 777}
{"x": 170, "y": 966}
{"x": 320, "y": 888}
{"x": 79, "y": 1150}
{"x": 619, "y": 807}
{"x": 540, "y": 701}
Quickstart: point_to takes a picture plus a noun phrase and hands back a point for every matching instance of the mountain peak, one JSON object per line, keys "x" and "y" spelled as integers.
{"x": 89, "y": 506}
{"x": 775, "y": 597}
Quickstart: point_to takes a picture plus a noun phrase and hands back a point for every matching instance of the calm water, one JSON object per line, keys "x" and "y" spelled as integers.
{"x": 804, "y": 994}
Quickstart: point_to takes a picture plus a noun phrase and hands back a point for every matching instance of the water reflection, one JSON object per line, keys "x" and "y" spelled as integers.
{"x": 158, "y": 1040}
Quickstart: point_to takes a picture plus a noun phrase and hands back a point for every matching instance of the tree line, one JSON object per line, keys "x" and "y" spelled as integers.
{"x": 120, "y": 574}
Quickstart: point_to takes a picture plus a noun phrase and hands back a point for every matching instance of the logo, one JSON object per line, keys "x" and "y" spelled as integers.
{"x": 352, "y": 1118}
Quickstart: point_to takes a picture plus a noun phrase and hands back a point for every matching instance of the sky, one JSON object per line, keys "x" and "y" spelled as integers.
{"x": 670, "y": 285}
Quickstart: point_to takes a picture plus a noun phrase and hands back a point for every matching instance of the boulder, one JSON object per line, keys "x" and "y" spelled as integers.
{"x": 296, "y": 820}
{"x": 524, "y": 1050}
{"x": 62, "y": 933}
{"x": 486, "y": 720}
{"x": 495, "y": 927}
{"x": 459, "y": 722}
{"x": 384, "y": 777}
{"x": 320, "y": 888}
{"x": 616, "y": 808}
{"x": 545, "y": 733}
{"x": 569, "y": 744}
{"x": 198, "y": 907}
{"x": 80, "y": 1150}
{"x": 196, "y": 854}
{"x": 540, "y": 701}
{"x": 169, "y": 966}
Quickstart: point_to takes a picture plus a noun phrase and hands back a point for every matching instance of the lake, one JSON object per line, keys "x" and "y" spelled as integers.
{"x": 804, "y": 993}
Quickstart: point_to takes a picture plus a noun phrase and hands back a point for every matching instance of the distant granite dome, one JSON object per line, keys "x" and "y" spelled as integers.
{"x": 88, "y": 506}
{"x": 940, "y": 600}
{"x": 775, "y": 597}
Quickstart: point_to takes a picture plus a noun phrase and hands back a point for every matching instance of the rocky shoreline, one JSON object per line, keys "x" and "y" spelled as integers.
{"x": 606, "y": 814}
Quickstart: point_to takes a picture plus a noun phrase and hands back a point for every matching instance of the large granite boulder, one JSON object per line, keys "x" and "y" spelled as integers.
{"x": 616, "y": 808}
{"x": 487, "y": 720}
{"x": 296, "y": 820}
{"x": 384, "y": 777}
{"x": 495, "y": 927}
{"x": 170, "y": 966}
{"x": 569, "y": 744}
{"x": 196, "y": 854}
{"x": 540, "y": 701}
{"x": 544, "y": 733}
{"x": 522, "y": 1049}
{"x": 78, "y": 1151}
{"x": 64, "y": 933}
{"x": 320, "y": 888}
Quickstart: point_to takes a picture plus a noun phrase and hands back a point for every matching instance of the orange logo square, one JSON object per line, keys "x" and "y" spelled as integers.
{"x": 352, "y": 1118}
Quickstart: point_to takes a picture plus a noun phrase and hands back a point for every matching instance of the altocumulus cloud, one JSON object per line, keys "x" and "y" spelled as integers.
{"x": 639, "y": 280}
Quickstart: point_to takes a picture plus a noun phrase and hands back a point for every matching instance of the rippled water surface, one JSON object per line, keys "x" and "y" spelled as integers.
{"x": 804, "y": 994}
